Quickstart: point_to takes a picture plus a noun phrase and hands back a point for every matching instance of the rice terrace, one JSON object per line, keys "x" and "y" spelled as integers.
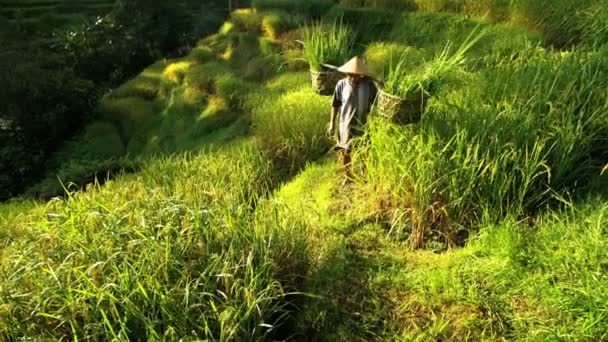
{"x": 303, "y": 170}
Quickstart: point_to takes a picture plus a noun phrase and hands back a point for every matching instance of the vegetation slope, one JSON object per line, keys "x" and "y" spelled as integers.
{"x": 221, "y": 216}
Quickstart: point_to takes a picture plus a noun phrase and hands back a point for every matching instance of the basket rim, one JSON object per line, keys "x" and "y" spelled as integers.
{"x": 384, "y": 93}
{"x": 314, "y": 72}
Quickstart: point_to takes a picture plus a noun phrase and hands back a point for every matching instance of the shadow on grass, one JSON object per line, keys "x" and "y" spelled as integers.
{"x": 347, "y": 306}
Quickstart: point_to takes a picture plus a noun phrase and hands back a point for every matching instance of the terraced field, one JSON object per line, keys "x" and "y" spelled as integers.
{"x": 43, "y": 16}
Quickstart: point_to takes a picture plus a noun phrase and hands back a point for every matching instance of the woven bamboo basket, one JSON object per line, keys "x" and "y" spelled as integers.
{"x": 324, "y": 82}
{"x": 401, "y": 110}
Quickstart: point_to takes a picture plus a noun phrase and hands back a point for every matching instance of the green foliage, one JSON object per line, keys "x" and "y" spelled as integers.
{"x": 128, "y": 113}
{"x": 545, "y": 261}
{"x": 246, "y": 20}
{"x": 135, "y": 34}
{"x": 402, "y": 82}
{"x": 175, "y": 72}
{"x": 77, "y": 175}
{"x": 269, "y": 47}
{"x": 277, "y": 22}
{"x": 101, "y": 140}
{"x": 380, "y": 55}
{"x": 313, "y": 9}
{"x": 408, "y": 5}
{"x": 327, "y": 44}
{"x": 201, "y": 54}
{"x": 220, "y": 244}
{"x": 203, "y": 77}
{"x": 233, "y": 89}
{"x": 290, "y": 128}
{"x": 57, "y": 61}
{"x": 241, "y": 49}
{"x": 236, "y": 258}
{"x": 497, "y": 143}
{"x": 274, "y": 24}
{"x": 41, "y": 102}
{"x": 425, "y": 30}
{"x": 262, "y": 68}
{"x": 371, "y": 24}
{"x": 562, "y": 22}
{"x": 288, "y": 82}
{"x": 146, "y": 85}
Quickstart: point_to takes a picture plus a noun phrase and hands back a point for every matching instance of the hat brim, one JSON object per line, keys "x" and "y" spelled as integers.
{"x": 356, "y": 72}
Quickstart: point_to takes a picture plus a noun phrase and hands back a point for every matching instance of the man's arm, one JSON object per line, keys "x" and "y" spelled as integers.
{"x": 336, "y": 102}
{"x": 332, "y": 120}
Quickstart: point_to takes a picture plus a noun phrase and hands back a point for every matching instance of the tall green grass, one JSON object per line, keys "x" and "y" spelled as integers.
{"x": 183, "y": 255}
{"x": 312, "y": 9}
{"x": 563, "y": 22}
{"x": 277, "y": 22}
{"x": 403, "y": 82}
{"x": 492, "y": 144}
{"x": 290, "y": 127}
{"x": 211, "y": 245}
{"x": 327, "y": 44}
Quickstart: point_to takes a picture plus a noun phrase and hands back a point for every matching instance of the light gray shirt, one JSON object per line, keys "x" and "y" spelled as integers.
{"x": 354, "y": 105}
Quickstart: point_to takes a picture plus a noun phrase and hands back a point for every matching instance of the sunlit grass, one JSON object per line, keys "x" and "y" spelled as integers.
{"x": 327, "y": 44}
{"x": 475, "y": 223}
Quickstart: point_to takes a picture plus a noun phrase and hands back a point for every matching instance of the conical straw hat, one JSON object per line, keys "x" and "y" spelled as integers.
{"x": 356, "y": 66}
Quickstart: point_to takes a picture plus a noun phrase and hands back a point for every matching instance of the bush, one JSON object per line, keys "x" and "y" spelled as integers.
{"x": 294, "y": 61}
{"x": 275, "y": 23}
{"x": 201, "y": 54}
{"x": 241, "y": 49}
{"x": 401, "y": 81}
{"x": 246, "y": 20}
{"x": 175, "y": 72}
{"x": 76, "y": 175}
{"x": 100, "y": 141}
{"x": 269, "y": 47}
{"x": 41, "y": 103}
{"x": 135, "y": 34}
{"x": 560, "y": 21}
{"x": 563, "y": 22}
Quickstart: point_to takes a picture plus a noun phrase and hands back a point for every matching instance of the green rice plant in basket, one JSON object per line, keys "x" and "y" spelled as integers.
{"x": 327, "y": 44}
{"x": 405, "y": 91}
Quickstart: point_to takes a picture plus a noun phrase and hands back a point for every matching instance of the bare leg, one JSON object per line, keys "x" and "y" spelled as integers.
{"x": 347, "y": 164}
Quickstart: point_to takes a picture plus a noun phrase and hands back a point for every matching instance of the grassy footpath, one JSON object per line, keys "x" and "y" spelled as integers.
{"x": 230, "y": 223}
{"x": 513, "y": 280}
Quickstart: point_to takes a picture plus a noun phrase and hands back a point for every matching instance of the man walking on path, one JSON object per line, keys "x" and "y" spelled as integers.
{"x": 351, "y": 104}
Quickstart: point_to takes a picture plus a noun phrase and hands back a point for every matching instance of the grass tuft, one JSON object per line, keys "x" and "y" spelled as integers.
{"x": 327, "y": 44}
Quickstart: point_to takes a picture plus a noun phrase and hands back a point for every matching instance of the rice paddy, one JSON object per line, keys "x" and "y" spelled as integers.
{"x": 226, "y": 220}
